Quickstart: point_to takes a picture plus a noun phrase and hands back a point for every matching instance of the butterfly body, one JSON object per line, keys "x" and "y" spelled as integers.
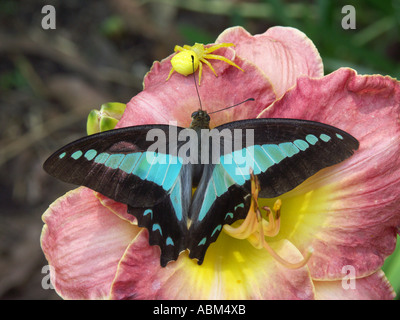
{"x": 157, "y": 184}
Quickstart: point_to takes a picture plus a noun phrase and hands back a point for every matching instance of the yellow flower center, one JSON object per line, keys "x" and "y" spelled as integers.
{"x": 255, "y": 228}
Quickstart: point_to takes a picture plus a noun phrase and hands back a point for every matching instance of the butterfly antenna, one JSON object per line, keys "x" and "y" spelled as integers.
{"x": 195, "y": 83}
{"x": 235, "y": 105}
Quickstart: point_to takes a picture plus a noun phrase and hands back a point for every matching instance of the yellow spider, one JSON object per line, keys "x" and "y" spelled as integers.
{"x": 182, "y": 61}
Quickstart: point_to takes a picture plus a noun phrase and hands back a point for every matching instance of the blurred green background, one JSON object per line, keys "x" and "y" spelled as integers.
{"x": 99, "y": 52}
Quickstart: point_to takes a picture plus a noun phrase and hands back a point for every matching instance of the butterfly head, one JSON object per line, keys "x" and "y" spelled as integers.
{"x": 200, "y": 120}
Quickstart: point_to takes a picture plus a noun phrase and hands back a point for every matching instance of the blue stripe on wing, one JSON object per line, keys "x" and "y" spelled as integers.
{"x": 162, "y": 169}
{"x": 234, "y": 167}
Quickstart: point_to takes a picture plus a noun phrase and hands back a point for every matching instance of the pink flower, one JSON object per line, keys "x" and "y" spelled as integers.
{"x": 347, "y": 213}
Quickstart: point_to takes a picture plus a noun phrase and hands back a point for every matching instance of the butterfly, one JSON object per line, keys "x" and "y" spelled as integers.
{"x": 155, "y": 180}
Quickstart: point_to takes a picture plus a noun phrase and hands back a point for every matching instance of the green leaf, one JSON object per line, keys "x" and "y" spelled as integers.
{"x": 391, "y": 267}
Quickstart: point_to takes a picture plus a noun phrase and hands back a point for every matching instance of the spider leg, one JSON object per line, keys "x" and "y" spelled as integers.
{"x": 209, "y": 65}
{"x": 178, "y": 48}
{"x": 200, "y": 70}
{"x": 170, "y": 74}
{"x": 217, "y": 46}
{"x": 222, "y": 58}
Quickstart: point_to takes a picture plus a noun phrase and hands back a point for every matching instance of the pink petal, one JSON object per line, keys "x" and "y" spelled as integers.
{"x": 360, "y": 211}
{"x": 117, "y": 208}
{"x": 232, "y": 269}
{"x": 282, "y": 53}
{"x": 176, "y": 99}
{"x": 83, "y": 241}
{"x": 373, "y": 287}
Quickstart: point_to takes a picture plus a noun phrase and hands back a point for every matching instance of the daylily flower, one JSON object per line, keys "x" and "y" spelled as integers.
{"x": 347, "y": 213}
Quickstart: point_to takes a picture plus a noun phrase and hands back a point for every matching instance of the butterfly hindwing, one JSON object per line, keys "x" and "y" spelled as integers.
{"x": 166, "y": 221}
{"x": 212, "y": 207}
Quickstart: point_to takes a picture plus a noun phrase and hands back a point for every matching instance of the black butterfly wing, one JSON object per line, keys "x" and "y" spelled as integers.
{"x": 282, "y": 152}
{"x": 166, "y": 221}
{"x": 119, "y": 165}
{"x": 218, "y": 200}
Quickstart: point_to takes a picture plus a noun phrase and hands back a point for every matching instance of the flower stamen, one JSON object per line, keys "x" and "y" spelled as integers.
{"x": 255, "y": 228}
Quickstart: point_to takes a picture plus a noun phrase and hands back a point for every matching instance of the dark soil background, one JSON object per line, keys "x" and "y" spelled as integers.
{"x": 99, "y": 52}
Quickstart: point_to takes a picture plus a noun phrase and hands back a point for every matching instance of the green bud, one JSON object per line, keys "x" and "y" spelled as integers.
{"x": 105, "y": 119}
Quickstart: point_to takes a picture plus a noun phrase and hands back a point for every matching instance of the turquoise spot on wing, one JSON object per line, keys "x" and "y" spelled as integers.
{"x": 250, "y": 162}
{"x": 339, "y": 136}
{"x": 289, "y": 148}
{"x": 232, "y": 169}
{"x": 241, "y": 205}
{"x": 90, "y": 154}
{"x": 155, "y": 227}
{"x": 101, "y": 158}
{"x": 324, "y": 137}
{"x": 222, "y": 180}
{"x": 175, "y": 197}
{"x": 229, "y": 215}
{"x": 274, "y": 152}
{"x": 169, "y": 241}
{"x": 143, "y": 165}
{"x": 217, "y": 228}
{"x": 311, "y": 139}
{"x": 77, "y": 154}
{"x": 62, "y": 155}
{"x": 202, "y": 241}
{"x": 158, "y": 168}
{"x": 262, "y": 159}
{"x": 148, "y": 211}
{"x": 172, "y": 172}
{"x": 209, "y": 199}
{"x": 301, "y": 144}
{"x": 244, "y": 161}
{"x": 161, "y": 167}
{"x": 114, "y": 161}
{"x": 130, "y": 161}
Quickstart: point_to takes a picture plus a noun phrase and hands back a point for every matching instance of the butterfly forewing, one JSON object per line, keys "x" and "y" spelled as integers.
{"x": 118, "y": 164}
{"x": 285, "y": 152}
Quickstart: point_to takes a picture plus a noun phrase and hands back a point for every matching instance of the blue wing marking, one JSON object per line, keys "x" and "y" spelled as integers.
{"x": 311, "y": 139}
{"x": 289, "y": 148}
{"x": 101, "y": 158}
{"x": 144, "y": 165}
{"x": 301, "y": 144}
{"x": 222, "y": 180}
{"x": 175, "y": 196}
{"x": 274, "y": 152}
{"x": 114, "y": 161}
{"x": 262, "y": 158}
{"x": 209, "y": 198}
{"x": 232, "y": 168}
{"x": 172, "y": 170}
{"x": 130, "y": 161}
